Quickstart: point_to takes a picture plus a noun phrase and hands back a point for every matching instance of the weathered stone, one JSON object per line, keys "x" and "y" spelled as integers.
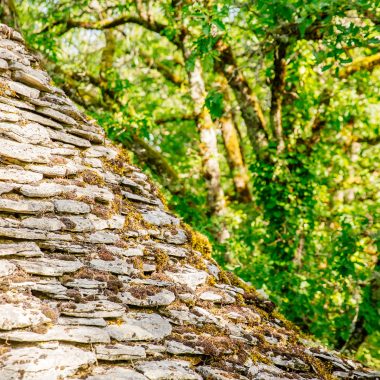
{"x": 32, "y": 133}
{"x": 40, "y": 119}
{"x": 24, "y": 152}
{"x": 168, "y": 369}
{"x": 3, "y": 64}
{"x": 169, "y": 249}
{"x": 94, "y": 309}
{"x": 29, "y": 249}
{"x": 98, "y": 322}
{"x": 127, "y": 252}
{"x": 56, "y": 115}
{"x": 36, "y": 363}
{"x": 212, "y": 373}
{"x": 23, "y": 233}
{"x": 56, "y": 170}
{"x": 140, "y": 326}
{"x": 42, "y": 190}
{"x": 86, "y": 283}
{"x": 77, "y": 224}
{"x": 116, "y": 266}
{"x": 7, "y": 187}
{"x": 77, "y": 334}
{"x": 159, "y": 218}
{"x": 138, "y": 198}
{"x": 6, "y": 268}
{"x": 31, "y": 78}
{"x": 116, "y": 373}
{"x": 173, "y": 236}
{"x": 178, "y": 348}
{"x": 19, "y": 176}
{"x": 101, "y": 151}
{"x": 71, "y": 207}
{"x": 119, "y": 352}
{"x": 25, "y": 207}
{"x": 102, "y": 237}
{"x": 17, "y": 316}
{"x": 69, "y": 139}
{"x": 189, "y": 276}
{"x": 46, "y": 224}
{"x": 48, "y": 266}
{"x": 24, "y": 90}
{"x": 161, "y": 298}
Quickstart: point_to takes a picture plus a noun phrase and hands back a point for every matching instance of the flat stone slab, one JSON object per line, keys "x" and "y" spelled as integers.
{"x": 94, "y": 309}
{"x": 19, "y": 175}
{"x": 24, "y": 152}
{"x": 76, "y": 334}
{"x": 28, "y": 249}
{"x": 36, "y": 363}
{"x": 140, "y": 326}
{"x": 71, "y": 207}
{"x": 116, "y": 373}
{"x": 25, "y": 206}
{"x": 189, "y": 276}
{"x": 18, "y": 316}
{"x": 161, "y": 298}
{"x": 168, "y": 369}
{"x": 49, "y": 267}
{"x": 113, "y": 352}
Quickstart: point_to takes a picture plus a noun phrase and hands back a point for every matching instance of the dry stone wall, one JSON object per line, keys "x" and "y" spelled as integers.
{"x": 98, "y": 280}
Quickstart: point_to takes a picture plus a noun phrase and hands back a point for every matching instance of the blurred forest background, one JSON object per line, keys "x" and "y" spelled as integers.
{"x": 260, "y": 120}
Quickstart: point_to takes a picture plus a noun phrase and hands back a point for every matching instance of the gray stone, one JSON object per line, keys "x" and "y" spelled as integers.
{"x": 161, "y": 298}
{"x": 138, "y": 198}
{"x": 42, "y": 190}
{"x": 17, "y": 316}
{"x": 176, "y": 236}
{"x": 19, "y": 176}
{"x": 116, "y": 373}
{"x": 56, "y": 170}
{"x": 178, "y": 348}
{"x": 169, "y": 249}
{"x": 94, "y": 309}
{"x": 24, "y": 90}
{"x": 32, "y": 133}
{"x": 77, "y": 224}
{"x": 71, "y": 207}
{"x": 6, "y": 268}
{"x": 101, "y": 237}
{"x": 69, "y": 139}
{"x": 159, "y": 218}
{"x": 212, "y": 373}
{"x": 25, "y": 206}
{"x": 168, "y": 370}
{"x": 77, "y": 334}
{"x": 45, "y": 224}
{"x": 56, "y": 115}
{"x": 36, "y": 363}
{"x": 40, "y": 119}
{"x": 189, "y": 276}
{"x": 116, "y": 266}
{"x": 140, "y": 326}
{"x": 24, "y": 152}
{"x": 28, "y": 249}
{"x": 32, "y": 78}
{"x": 48, "y": 266}
{"x": 119, "y": 352}
{"x": 127, "y": 252}
{"x": 98, "y": 322}
{"x": 7, "y": 187}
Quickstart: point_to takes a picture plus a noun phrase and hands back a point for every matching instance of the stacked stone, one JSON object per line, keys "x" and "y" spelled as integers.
{"x": 98, "y": 280}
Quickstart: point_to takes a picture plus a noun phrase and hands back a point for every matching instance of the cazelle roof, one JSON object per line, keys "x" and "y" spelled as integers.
{"x": 98, "y": 279}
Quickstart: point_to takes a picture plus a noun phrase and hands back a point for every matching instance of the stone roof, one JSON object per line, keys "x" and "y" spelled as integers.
{"x": 98, "y": 279}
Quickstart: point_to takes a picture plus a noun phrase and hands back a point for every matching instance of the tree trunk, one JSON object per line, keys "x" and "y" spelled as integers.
{"x": 249, "y": 104}
{"x": 207, "y": 134}
{"x": 278, "y": 87}
{"x": 233, "y": 149}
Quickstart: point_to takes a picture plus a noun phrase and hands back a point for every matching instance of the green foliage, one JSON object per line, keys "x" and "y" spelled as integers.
{"x": 310, "y": 237}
